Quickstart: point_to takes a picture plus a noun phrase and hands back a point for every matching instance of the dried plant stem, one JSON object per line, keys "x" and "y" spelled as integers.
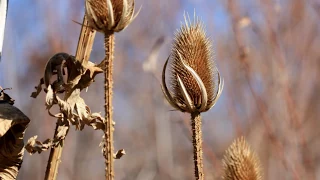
{"x": 83, "y": 52}
{"x": 54, "y": 160}
{"x": 108, "y": 154}
{"x": 197, "y": 145}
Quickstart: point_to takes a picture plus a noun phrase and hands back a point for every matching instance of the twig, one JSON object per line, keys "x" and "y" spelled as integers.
{"x": 83, "y": 52}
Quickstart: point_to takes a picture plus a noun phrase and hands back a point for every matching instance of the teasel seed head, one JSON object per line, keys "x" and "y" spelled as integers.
{"x": 109, "y": 16}
{"x": 240, "y": 162}
{"x": 192, "y": 72}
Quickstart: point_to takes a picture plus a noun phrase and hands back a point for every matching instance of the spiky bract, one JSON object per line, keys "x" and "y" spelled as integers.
{"x": 109, "y": 16}
{"x": 192, "y": 72}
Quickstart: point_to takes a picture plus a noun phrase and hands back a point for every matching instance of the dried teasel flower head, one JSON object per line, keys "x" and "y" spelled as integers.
{"x": 240, "y": 163}
{"x": 108, "y": 16}
{"x": 194, "y": 78}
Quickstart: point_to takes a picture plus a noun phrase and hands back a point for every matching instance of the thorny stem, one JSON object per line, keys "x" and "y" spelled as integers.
{"x": 197, "y": 145}
{"x": 83, "y": 52}
{"x": 108, "y": 153}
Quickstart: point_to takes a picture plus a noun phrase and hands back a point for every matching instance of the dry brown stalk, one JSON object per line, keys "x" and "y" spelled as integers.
{"x": 109, "y": 17}
{"x": 194, "y": 89}
{"x": 54, "y": 159}
{"x": 197, "y": 145}
{"x": 207, "y": 151}
{"x": 83, "y": 52}
{"x": 109, "y": 47}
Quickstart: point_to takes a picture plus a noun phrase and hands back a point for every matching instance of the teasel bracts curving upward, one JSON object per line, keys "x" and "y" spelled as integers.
{"x": 195, "y": 80}
{"x": 240, "y": 162}
{"x": 110, "y": 15}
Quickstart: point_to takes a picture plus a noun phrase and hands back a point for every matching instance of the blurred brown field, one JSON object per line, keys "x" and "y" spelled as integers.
{"x": 266, "y": 51}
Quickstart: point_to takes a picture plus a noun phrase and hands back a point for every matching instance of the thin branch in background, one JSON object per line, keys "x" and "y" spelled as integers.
{"x": 294, "y": 118}
{"x": 243, "y": 55}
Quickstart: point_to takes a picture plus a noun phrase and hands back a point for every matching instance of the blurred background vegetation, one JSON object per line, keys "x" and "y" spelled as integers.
{"x": 267, "y": 52}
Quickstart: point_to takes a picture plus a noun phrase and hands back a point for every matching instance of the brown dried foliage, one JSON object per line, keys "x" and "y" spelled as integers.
{"x": 280, "y": 119}
{"x": 13, "y": 124}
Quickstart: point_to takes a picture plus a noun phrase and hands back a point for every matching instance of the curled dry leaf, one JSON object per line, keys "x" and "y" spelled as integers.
{"x": 5, "y": 98}
{"x": 13, "y": 124}
{"x": 78, "y": 113}
{"x": 73, "y": 110}
{"x": 119, "y": 154}
{"x": 34, "y": 146}
{"x": 80, "y": 75}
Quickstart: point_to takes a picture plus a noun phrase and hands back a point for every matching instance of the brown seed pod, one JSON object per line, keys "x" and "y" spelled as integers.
{"x": 192, "y": 73}
{"x": 110, "y": 16}
{"x": 240, "y": 162}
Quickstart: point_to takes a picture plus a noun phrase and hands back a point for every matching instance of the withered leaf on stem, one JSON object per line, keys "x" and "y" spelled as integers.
{"x": 80, "y": 75}
{"x": 73, "y": 110}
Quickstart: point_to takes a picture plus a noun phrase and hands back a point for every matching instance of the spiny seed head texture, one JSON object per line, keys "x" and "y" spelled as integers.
{"x": 195, "y": 49}
{"x": 109, "y": 16}
{"x": 240, "y": 162}
{"x": 192, "y": 72}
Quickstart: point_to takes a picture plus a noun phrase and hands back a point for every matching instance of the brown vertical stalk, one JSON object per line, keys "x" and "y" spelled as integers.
{"x": 197, "y": 145}
{"x": 192, "y": 80}
{"x": 109, "y": 17}
{"x": 54, "y": 159}
{"x": 109, "y": 47}
{"x": 85, "y": 43}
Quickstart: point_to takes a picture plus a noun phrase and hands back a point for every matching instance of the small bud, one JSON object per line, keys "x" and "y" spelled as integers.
{"x": 192, "y": 71}
{"x": 109, "y": 16}
{"x": 240, "y": 163}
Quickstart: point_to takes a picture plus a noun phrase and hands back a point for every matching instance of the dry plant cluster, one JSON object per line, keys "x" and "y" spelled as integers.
{"x": 262, "y": 86}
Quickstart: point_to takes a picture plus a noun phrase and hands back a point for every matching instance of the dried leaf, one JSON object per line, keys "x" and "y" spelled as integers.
{"x": 119, "y": 154}
{"x": 13, "y": 124}
{"x": 38, "y": 89}
{"x": 34, "y": 146}
{"x": 73, "y": 110}
{"x": 62, "y": 132}
{"x": 4, "y": 97}
{"x": 50, "y": 98}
